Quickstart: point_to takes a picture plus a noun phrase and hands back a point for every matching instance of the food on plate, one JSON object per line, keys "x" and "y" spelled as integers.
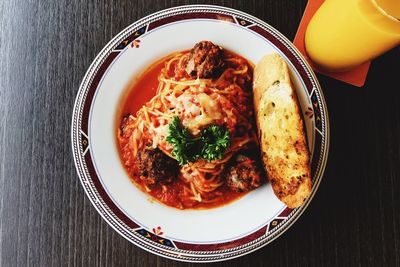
{"x": 244, "y": 175}
{"x": 207, "y": 132}
{"x": 205, "y": 60}
{"x": 192, "y": 142}
{"x": 154, "y": 166}
{"x": 284, "y": 150}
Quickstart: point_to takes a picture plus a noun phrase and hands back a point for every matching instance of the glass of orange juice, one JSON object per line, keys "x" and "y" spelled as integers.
{"x": 345, "y": 33}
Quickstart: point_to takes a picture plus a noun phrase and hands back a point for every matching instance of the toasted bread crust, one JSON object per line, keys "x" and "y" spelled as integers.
{"x": 285, "y": 154}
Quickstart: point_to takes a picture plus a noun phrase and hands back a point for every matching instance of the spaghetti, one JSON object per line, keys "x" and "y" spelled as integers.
{"x": 198, "y": 102}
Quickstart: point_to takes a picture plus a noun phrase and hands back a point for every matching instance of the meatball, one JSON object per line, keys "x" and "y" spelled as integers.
{"x": 205, "y": 60}
{"x": 156, "y": 167}
{"x": 243, "y": 175}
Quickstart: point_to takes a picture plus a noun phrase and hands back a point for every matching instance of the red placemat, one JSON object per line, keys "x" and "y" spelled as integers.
{"x": 355, "y": 76}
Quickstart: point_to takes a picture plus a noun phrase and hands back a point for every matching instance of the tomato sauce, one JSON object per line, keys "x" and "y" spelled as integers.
{"x": 141, "y": 91}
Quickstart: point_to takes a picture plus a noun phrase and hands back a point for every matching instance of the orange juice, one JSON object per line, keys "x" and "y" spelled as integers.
{"x": 346, "y": 33}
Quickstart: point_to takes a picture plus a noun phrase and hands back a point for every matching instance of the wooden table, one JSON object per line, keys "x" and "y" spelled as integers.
{"x": 45, "y": 217}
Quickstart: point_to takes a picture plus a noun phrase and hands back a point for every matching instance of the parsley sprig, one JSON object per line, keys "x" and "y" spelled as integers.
{"x": 186, "y": 148}
{"x": 210, "y": 145}
{"x": 215, "y": 142}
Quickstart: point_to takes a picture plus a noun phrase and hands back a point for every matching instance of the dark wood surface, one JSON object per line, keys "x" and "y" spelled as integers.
{"x": 45, "y": 217}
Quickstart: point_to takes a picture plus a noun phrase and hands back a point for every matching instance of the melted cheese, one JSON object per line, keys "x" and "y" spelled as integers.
{"x": 159, "y": 134}
{"x": 210, "y": 113}
{"x": 198, "y": 110}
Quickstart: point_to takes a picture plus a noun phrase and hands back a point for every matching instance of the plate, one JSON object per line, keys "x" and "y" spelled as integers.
{"x": 189, "y": 235}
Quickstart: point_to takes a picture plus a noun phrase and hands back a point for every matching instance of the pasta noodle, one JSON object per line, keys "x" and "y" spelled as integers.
{"x": 226, "y": 101}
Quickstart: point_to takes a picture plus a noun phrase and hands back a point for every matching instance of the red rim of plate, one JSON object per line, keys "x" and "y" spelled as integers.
{"x": 151, "y": 239}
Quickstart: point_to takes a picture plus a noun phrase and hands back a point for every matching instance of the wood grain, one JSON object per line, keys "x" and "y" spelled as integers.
{"x": 45, "y": 217}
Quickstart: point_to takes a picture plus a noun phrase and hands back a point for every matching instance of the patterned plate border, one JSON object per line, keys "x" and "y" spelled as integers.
{"x": 152, "y": 240}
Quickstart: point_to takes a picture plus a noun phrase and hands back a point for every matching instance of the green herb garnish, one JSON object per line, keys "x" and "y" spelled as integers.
{"x": 210, "y": 145}
{"x": 216, "y": 140}
{"x": 186, "y": 148}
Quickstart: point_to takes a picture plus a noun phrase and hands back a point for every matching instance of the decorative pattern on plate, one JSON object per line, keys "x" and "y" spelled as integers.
{"x": 155, "y": 238}
{"x": 135, "y": 43}
{"x": 243, "y": 22}
{"x": 317, "y": 111}
{"x": 136, "y": 34}
{"x": 309, "y": 113}
{"x": 85, "y": 142}
{"x": 104, "y": 204}
{"x": 158, "y": 230}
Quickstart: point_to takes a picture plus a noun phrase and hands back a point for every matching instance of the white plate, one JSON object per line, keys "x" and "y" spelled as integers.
{"x": 189, "y": 235}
